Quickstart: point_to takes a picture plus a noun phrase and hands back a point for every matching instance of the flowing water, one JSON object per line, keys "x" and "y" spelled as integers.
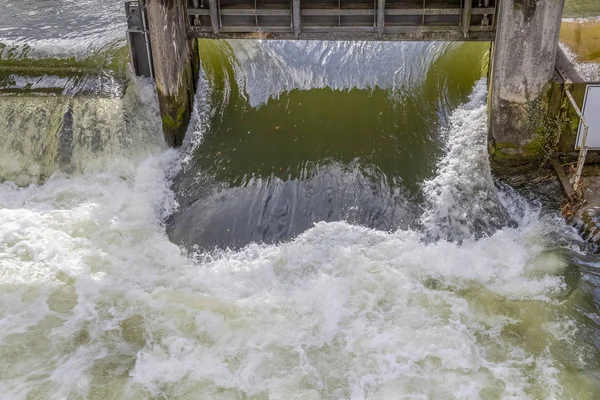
{"x": 318, "y": 132}
{"x": 581, "y": 8}
{"x": 329, "y": 230}
{"x": 62, "y": 27}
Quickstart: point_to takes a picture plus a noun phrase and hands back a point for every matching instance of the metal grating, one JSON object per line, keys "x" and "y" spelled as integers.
{"x": 339, "y": 19}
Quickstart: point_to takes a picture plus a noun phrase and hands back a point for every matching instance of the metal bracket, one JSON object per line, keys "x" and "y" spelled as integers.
{"x": 136, "y": 26}
{"x": 584, "y": 148}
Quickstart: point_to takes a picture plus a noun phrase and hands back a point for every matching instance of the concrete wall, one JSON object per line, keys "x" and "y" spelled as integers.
{"x": 522, "y": 65}
{"x": 172, "y": 56}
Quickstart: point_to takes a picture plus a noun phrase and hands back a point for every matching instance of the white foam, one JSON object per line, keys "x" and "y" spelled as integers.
{"x": 463, "y": 201}
{"x": 96, "y": 302}
{"x": 92, "y": 286}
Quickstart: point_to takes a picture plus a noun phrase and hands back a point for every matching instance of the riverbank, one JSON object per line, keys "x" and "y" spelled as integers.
{"x": 578, "y": 64}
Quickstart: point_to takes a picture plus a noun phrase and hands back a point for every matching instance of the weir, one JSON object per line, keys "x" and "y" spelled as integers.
{"x": 330, "y": 229}
{"x": 524, "y": 36}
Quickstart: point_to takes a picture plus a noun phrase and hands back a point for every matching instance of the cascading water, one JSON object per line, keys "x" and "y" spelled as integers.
{"x": 429, "y": 281}
{"x": 295, "y": 142}
{"x": 43, "y": 134}
{"x": 462, "y": 199}
{"x": 268, "y": 69}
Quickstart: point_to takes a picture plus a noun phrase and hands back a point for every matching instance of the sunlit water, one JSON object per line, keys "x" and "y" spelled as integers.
{"x": 430, "y": 280}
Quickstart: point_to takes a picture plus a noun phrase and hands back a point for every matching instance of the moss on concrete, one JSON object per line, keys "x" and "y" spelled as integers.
{"x": 546, "y": 122}
{"x": 508, "y": 152}
{"x": 176, "y": 109}
{"x": 175, "y": 120}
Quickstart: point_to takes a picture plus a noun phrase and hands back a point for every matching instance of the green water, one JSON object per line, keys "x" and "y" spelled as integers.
{"x": 397, "y": 132}
{"x": 96, "y": 301}
{"x": 321, "y": 151}
{"x": 581, "y": 8}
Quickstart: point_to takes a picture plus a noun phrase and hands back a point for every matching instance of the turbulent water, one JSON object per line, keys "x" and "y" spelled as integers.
{"x": 62, "y": 27}
{"x": 96, "y": 302}
{"x": 330, "y": 230}
{"x": 310, "y": 132}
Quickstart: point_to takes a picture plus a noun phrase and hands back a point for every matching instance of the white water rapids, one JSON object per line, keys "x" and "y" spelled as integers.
{"x": 97, "y": 303}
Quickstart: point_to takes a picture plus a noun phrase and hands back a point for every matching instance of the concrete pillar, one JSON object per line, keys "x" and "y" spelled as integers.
{"x": 522, "y": 66}
{"x": 174, "y": 65}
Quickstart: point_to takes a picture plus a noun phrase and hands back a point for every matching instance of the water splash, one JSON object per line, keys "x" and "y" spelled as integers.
{"x": 100, "y": 304}
{"x": 463, "y": 201}
{"x": 267, "y": 69}
{"x": 46, "y": 134}
{"x": 96, "y": 302}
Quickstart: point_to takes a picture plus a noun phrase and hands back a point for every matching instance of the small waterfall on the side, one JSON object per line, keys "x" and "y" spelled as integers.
{"x": 46, "y": 134}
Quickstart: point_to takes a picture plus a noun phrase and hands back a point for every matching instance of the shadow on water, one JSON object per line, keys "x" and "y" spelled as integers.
{"x": 267, "y": 172}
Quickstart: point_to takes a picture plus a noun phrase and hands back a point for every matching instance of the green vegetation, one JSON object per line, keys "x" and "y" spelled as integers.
{"x": 553, "y": 123}
{"x": 176, "y": 109}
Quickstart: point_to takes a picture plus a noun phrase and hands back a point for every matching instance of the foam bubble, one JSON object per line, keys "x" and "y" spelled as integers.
{"x": 96, "y": 302}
